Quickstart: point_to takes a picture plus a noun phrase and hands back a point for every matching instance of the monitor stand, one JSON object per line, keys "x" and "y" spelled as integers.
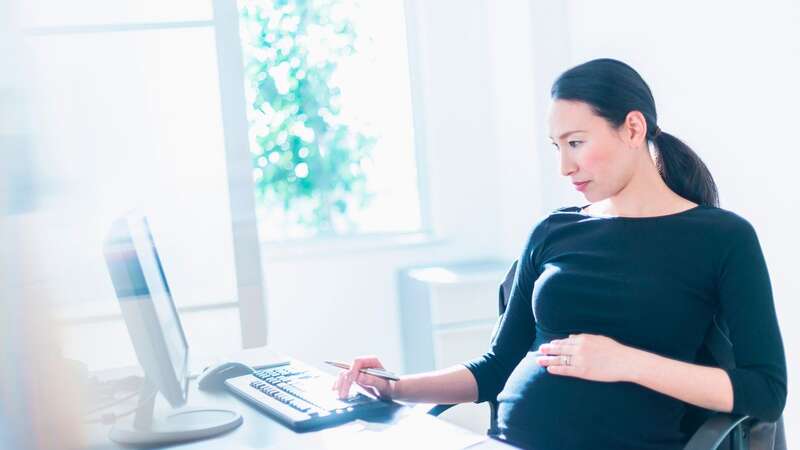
{"x": 173, "y": 426}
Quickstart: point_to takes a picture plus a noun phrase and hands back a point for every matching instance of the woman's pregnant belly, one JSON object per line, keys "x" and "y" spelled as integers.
{"x": 559, "y": 412}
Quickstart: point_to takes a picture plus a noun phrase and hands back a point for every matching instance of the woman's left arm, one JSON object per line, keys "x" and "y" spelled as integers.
{"x": 703, "y": 386}
{"x": 600, "y": 358}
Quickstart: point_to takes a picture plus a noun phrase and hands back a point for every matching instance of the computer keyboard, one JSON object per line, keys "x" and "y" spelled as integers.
{"x": 301, "y": 397}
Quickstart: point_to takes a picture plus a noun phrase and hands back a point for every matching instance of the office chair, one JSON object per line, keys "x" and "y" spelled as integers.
{"x": 709, "y": 430}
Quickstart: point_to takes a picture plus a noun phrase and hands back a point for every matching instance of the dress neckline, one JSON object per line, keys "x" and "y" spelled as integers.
{"x": 579, "y": 210}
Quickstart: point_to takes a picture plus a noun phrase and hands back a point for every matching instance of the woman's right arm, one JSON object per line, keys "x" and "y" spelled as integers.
{"x": 452, "y": 385}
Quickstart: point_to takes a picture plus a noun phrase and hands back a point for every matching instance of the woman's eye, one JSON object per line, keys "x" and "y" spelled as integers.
{"x": 574, "y": 144}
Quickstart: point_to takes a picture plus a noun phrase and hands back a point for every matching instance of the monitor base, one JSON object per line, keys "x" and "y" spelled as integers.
{"x": 177, "y": 426}
{"x": 172, "y": 425}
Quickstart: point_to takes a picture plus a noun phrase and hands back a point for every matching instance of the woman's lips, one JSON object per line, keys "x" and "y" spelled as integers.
{"x": 581, "y": 186}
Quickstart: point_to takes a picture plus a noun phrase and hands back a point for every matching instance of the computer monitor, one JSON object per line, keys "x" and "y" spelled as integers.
{"x": 158, "y": 339}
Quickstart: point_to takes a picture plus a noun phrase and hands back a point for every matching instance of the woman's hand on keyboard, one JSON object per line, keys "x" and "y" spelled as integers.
{"x": 380, "y": 387}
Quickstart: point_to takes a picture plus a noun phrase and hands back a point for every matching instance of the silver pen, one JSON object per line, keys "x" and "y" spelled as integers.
{"x": 380, "y": 373}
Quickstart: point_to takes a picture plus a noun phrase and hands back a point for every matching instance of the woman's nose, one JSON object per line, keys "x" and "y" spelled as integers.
{"x": 567, "y": 164}
{"x": 568, "y": 167}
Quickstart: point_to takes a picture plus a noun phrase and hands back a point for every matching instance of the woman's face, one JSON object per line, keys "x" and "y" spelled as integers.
{"x": 590, "y": 149}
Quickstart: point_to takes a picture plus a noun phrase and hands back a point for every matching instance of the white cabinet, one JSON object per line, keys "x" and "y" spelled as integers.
{"x": 453, "y": 346}
{"x": 448, "y": 313}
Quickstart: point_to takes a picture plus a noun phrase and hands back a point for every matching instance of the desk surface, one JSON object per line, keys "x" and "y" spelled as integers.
{"x": 259, "y": 431}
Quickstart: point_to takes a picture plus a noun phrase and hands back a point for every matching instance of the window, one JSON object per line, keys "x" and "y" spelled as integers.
{"x": 330, "y": 118}
{"x": 131, "y": 115}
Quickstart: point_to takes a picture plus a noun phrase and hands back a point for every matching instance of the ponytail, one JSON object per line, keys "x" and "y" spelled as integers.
{"x": 683, "y": 171}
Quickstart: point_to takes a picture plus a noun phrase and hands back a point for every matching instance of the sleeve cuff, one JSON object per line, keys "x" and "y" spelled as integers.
{"x": 754, "y": 395}
{"x": 474, "y": 366}
{"x": 736, "y": 385}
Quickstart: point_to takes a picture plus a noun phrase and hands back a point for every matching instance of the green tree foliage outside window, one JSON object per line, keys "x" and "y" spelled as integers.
{"x": 306, "y": 159}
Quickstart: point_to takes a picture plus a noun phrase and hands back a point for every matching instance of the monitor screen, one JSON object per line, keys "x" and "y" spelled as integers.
{"x": 147, "y": 306}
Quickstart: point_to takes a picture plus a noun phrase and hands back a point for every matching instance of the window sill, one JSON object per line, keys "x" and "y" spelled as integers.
{"x": 107, "y": 311}
{"x": 334, "y": 246}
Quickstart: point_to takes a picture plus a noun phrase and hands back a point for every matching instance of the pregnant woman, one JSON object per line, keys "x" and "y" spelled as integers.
{"x": 612, "y": 299}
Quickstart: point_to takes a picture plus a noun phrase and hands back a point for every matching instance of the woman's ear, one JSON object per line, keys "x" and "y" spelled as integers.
{"x": 634, "y": 129}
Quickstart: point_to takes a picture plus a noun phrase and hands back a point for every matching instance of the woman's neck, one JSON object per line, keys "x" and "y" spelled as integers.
{"x": 645, "y": 195}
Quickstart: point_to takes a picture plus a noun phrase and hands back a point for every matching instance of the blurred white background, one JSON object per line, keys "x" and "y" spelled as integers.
{"x": 126, "y": 107}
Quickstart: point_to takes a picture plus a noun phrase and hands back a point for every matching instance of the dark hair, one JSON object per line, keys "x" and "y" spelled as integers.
{"x": 613, "y": 89}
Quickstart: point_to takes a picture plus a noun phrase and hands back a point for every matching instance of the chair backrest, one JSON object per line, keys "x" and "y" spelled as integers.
{"x": 717, "y": 350}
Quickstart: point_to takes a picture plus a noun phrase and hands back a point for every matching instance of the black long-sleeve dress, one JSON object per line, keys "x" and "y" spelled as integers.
{"x": 652, "y": 283}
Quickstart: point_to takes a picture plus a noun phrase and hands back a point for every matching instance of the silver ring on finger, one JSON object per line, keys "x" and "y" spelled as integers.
{"x": 565, "y": 360}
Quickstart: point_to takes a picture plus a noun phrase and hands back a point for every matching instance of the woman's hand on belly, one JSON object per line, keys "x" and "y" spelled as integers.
{"x": 588, "y": 356}
{"x": 599, "y": 358}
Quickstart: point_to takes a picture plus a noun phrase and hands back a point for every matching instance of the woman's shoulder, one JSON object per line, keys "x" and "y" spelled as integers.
{"x": 728, "y": 221}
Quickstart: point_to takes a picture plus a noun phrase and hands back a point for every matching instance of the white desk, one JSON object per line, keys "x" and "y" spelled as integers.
{"x": 259, "y": 431}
